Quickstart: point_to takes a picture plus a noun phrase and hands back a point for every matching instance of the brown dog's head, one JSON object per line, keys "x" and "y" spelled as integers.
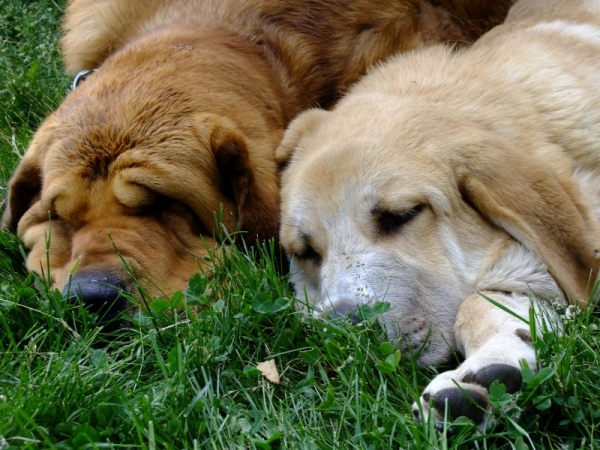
{"x": 137, "y": 163}
{"x": 401, "y": 199}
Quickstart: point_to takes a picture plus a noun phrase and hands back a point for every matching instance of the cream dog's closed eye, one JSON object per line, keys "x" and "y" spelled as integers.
{"x": 443, "y": 178}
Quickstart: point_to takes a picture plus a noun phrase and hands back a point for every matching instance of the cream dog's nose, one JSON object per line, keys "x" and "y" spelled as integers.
{"x": 343, "y": 309}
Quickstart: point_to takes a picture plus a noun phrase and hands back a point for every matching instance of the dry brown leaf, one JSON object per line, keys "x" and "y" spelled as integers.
{"x": 269, "y": 370}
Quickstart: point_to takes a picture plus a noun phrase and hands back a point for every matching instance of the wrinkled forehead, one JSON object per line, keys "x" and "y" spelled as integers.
{"x": 105, "y": 126}
{"x": 173, "y": 160}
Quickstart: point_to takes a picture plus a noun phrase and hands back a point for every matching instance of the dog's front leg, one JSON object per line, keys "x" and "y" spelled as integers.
{"x": 494, "y": 344}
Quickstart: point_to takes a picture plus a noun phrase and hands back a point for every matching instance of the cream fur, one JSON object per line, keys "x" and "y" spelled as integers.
{"x": 498, "y": 148}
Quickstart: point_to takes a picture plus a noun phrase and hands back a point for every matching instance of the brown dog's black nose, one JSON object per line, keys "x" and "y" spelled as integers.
{"x": 99, "y": 292}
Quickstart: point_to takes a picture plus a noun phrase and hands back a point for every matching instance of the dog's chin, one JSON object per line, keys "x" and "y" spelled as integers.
{"x": 413, "y": 334}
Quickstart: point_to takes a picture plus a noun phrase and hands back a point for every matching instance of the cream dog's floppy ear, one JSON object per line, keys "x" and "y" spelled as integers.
{"x": 545, "y": 212}
{"x": 298, "y": 127}
{"x": 256, "y": 197}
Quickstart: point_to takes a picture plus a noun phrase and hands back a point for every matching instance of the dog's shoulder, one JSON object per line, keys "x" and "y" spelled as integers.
{"x": 93, "y": 30}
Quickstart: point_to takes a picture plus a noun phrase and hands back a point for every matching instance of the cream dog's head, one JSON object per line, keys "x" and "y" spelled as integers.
{"x": 397, "y": 200}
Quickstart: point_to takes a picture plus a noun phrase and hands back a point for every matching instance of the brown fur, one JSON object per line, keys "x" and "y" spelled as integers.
{"x": 183, "y": 115}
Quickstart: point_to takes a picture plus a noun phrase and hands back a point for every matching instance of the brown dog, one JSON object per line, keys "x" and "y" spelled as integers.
{"x": 450, "y": 177}
{"x": 182, "y": 118}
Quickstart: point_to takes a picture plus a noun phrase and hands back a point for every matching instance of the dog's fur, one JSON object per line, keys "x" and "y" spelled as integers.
{"x": 183, "y": 116}
{"x": 442, "y": 179}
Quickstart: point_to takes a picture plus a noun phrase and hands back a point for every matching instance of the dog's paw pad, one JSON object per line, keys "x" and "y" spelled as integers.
{"x": 454, "y": 402}
{"x": 506, "y": 374}
{"x": 451, "y": 394}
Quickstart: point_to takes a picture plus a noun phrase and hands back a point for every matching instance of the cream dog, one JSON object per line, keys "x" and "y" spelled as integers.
{"x": 443, "y": 178}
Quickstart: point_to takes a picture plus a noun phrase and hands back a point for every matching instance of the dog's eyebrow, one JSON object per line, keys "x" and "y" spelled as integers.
{"x": 306, "y": 250}
{"x": 381, "y": 208}
{"x": 305, "y": 237}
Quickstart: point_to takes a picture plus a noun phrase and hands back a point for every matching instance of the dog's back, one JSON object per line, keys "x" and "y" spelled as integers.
{"x": 540, "y": 71}
{"x": 558, "y": 9}
{"x": 316, "y": 46}
{"x": 550, "y": 52}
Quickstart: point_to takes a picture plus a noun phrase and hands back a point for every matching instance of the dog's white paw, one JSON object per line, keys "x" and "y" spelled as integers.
{"x": 464, "y": 392}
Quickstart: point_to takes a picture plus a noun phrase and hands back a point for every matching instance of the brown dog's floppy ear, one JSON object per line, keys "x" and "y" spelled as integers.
{"x": 255, "y": 193}
{"x": 297, "y": 128}
{"x": 23, "y": 187}
{"x": 546, "y": 213}
{"x": 26, "y": 183}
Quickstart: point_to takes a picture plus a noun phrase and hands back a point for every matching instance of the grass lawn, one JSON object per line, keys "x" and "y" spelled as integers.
{"x": 185, "y": 374}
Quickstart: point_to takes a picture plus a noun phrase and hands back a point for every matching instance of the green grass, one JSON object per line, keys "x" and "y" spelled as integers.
{"x": 184, "y": 375}
{"x": 32, "y": 82}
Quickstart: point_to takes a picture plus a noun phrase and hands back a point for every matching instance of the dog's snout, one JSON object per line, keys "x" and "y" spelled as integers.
{"x": 344, "y": 309}
{"x": 98, "y": 292}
